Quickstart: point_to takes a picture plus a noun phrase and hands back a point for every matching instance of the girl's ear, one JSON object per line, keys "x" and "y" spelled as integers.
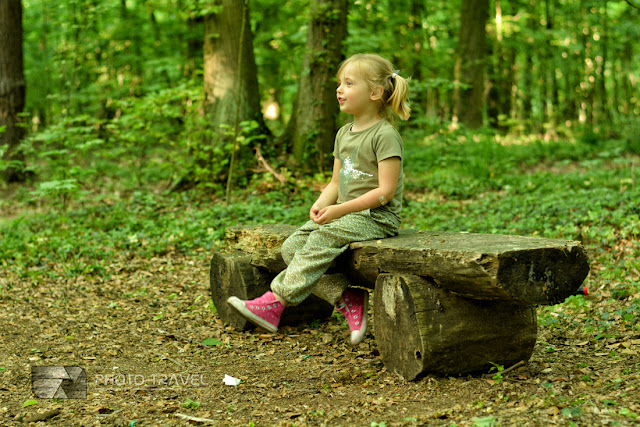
{"x": 376, "y": 93}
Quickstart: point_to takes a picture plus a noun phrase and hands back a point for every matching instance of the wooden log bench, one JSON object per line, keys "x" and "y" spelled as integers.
{"x": 446, "y": 303}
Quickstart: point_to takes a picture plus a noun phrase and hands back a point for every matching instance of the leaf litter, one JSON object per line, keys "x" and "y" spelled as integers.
{"x": 156, "y": 353}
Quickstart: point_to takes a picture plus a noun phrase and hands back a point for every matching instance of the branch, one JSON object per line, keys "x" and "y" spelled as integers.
{"x": 268, "y": 167}
{"x": 42, "y": 417}
{"x": 162, "y": 356}
{"x": 632, "y": 5}
{"x": 504, "y": 371}
{"x": 195, "y": 419}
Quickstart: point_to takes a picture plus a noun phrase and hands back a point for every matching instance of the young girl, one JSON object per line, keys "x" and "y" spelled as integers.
{"x": 362, "y": 201}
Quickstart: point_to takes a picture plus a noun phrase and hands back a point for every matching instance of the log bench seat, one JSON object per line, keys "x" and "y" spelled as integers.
{"x": 446, "y": 303}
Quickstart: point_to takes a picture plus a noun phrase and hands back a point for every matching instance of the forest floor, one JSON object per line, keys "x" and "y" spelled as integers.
{"x": 155, "y": 351}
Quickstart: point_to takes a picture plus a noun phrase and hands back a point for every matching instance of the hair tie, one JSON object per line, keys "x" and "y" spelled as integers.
{"x": 395, "y": 74}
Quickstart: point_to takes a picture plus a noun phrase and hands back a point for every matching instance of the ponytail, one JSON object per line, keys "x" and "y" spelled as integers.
{"x": 399, "y": 99}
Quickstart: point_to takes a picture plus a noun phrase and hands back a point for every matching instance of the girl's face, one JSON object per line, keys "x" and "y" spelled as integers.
{"x": 354, "y": 94}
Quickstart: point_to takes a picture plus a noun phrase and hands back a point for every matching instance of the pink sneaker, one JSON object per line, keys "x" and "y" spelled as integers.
{"x": 264, "y": 311}
{"x": 353, "y": 307}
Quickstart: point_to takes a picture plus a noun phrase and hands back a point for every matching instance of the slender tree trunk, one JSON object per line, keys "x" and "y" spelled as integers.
{"x": 550, "y": 88}
{"x": 527, "y": 86}
{"x": 42, "y": 107}
{"x": 586, "y": 85}
{"x": 568, "y": 106}
{"x": 12, "y": 89}
{"x": 123, "y": 9}
{"x": 470, "y": 64}
{"x": 193, "y": 46}
{"x": 416, "y": 62}
{"x": 313, "y": 121}
{"x": 616, "y": 69}
{"x": 627, "y": 89}
{"x": 499, "y": 99}
{"x": 604, "y": 115}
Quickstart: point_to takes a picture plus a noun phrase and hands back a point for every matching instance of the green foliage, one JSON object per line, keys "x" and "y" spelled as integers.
{"x": 211, "y": 342}
{"x": 498, "y": 375}
{"x": 101, "y": 227}
{"x": 121, "y": 80}
{"x": 62, "y": 190}
{"x": 191, "y": 404}
{"x": 513, "y": 191}
{"x": 29, "y": 402}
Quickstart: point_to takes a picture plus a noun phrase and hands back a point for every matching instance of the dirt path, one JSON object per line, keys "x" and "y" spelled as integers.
{"x": 138, "y": 335}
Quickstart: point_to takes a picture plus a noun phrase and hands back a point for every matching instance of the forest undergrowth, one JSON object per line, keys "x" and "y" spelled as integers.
{"x": 109, "y": 272}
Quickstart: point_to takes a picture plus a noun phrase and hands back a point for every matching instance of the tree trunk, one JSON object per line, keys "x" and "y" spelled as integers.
{"x": 527, "y": 86}
{"x": 420, "y": 327}
{"x": 603, "y": 113}
{"x": 313, "y": 122}
{"x": 625, "y": 76}
{"x": 499, "y": 100}
{"x": 470, "y": 64}
{"x": 550, "y": 86}
{"x": 12, "y": 90}
{"x": 586, "y": 92}
{"x": 230, "y": 91}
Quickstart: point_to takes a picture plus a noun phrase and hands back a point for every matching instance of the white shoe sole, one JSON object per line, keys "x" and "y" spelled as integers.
{"x": 239, "y": 306}
{"x": 358, "y": 336}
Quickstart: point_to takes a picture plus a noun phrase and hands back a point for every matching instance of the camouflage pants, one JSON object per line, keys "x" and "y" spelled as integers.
{"x": 311, "y": 249}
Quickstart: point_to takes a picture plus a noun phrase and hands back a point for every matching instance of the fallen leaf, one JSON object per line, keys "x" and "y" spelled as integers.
{"x": 553, "y": 410}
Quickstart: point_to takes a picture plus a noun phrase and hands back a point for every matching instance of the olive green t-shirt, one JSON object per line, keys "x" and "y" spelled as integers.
{"x": 359, "y": 154}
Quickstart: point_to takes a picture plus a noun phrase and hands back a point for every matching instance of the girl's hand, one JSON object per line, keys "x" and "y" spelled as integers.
{"x": 313, "y": 213}
{"x": 328, "y": 214}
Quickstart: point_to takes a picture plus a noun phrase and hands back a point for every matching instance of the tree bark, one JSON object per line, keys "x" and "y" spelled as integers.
{"x": 313, "y": 122}
{"x": 420, "y": 328}
{"x": 229, "y": 90}
{"x": 12, "y": 89}
{"x": 470, "y": 65}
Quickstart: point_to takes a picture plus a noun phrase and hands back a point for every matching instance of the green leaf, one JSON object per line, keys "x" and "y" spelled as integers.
{"x": 571, "y": 412}
{"x": 29, "y": 403}
{"x": 627, "y": 413}
{"x": 211, "y": 341}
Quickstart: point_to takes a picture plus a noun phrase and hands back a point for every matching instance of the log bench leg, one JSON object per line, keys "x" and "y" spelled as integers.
{"x": 233, "y": 275}
{"x": 421, "y": 328}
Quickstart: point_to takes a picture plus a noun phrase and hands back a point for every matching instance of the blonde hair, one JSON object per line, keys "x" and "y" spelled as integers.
{"x": 378, "y": 71}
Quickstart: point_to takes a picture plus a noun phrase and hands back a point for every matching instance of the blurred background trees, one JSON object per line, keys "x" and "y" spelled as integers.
{"x": 209, "y": 81}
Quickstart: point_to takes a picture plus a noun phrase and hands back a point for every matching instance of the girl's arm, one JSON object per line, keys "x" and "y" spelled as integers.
{"x": 388, "y": 175}
{"x": 330, "y": 193}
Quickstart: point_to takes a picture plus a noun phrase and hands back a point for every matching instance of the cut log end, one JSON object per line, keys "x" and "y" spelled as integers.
{"x": 421, "y": 328}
